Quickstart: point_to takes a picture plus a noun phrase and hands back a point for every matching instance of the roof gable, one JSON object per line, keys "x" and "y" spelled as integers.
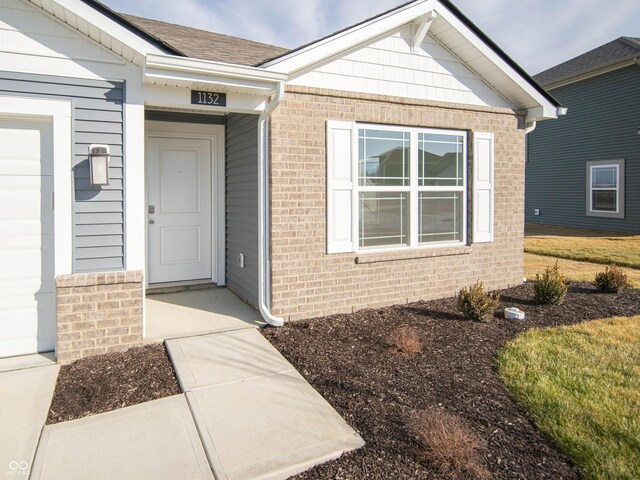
{"x": 452, "y": 30}
{"x": 391, "y": 66}
{"x": 616, "y": 51}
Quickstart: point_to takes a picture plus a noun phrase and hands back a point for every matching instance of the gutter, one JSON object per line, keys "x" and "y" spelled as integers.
{"x": 264, "y": 267}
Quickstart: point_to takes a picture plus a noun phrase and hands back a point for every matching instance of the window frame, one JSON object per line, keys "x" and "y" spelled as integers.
{"x": 413, "y": 189}
{"x": 620, "y": 200}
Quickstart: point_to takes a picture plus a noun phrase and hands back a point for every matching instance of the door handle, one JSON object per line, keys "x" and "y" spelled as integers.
{"x": 151, "y": 222}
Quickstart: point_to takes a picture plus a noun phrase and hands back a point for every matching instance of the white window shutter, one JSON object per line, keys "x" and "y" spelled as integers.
{"x": 483, "y": 166}
{"x": 339, "y": 187}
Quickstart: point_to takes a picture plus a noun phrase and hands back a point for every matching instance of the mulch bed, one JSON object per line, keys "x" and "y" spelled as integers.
{"x": 115, "y": 380}
{"x": 347, "y": 359}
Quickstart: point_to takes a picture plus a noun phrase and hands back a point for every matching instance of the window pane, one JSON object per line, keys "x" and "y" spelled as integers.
{"x": 604, "y": 177}
{"x": 440, "y": 160}
{"x": 604, "y": 200}
{"x": 383, "y": 158}
{"x": 440, "y": 217}
{"x": 384, "y": 219}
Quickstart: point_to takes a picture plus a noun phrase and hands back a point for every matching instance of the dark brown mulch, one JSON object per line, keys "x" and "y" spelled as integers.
{"x": 346, "y": 358}
{"x": 115, "y": 380}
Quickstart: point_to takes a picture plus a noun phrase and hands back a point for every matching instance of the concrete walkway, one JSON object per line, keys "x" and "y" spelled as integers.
{"x": 25, "y": 396}
{"x": 153, "y": 440}
{"x": 246, "y": 414}
{"x": 257, "y": 416}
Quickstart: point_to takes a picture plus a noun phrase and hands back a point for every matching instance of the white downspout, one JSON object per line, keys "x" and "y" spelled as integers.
{"x": 531, "y": 126}
{"x": 264, "y": 269}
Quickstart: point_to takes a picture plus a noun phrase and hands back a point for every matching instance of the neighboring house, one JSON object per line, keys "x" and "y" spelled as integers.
{"x": 584, "y": 170}
{"x": 274, "y": 172}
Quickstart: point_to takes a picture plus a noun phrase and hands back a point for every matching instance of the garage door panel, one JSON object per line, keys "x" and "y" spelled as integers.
{"x": 28, "y": 264}
{"x": 27, "y": 299}
{"x": 20, "y": 317}
{"x": 25, "y": 205}
{"x": 24, "y": 143}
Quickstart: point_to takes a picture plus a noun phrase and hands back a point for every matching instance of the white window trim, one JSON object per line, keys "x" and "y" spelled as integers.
{"x": 598, "y": 189}
{"x": 413, "y": 189}
{"x": 60, "y": 113}
{"x": 619, "y": 165}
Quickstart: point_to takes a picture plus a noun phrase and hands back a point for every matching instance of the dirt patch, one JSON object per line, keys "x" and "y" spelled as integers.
{"x": 347, "y": 359}
{"x": 115, "y": 380}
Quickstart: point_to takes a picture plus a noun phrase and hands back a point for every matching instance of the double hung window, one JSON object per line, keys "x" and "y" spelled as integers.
{"x": 411, "y": 187}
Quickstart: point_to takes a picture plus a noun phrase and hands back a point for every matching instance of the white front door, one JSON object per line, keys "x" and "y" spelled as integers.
{"x": 179, "y": 209}
{"x": 27, "y": 300}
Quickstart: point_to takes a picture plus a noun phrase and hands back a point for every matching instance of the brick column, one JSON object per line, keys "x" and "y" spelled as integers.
{"x": 98, "y": 313}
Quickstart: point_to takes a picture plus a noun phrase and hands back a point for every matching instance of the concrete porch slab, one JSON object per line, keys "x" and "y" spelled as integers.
{"x": 26, "y": 397}
{"x": 196, "y": 312}
{"x": 155, "y": 440}
{"x": 224, "y": 358}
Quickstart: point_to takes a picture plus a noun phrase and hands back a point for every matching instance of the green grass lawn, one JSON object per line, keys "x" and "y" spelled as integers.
{"x": 581, "y": 385}
{"x": 583, "y": 245}
{"x": 574, "y": 271}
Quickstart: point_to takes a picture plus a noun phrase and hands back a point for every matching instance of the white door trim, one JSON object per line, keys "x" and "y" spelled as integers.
{"x": 214, "y": 133}
{"x": 60, "y": 113}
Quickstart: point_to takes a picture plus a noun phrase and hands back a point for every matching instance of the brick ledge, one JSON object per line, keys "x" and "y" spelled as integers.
{"x": 365, "y": 258}
{"x": 99, "y": 278}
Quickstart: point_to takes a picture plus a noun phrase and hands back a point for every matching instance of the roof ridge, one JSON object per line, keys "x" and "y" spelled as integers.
{"x": 633, "y": 42}
{"x": 127, "y": 15}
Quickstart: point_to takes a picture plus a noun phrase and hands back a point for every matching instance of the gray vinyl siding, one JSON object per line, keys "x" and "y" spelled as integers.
{"x": 602, "y": 124}
{"x": 98, "y": 213}
{"x": 242, "y": 204}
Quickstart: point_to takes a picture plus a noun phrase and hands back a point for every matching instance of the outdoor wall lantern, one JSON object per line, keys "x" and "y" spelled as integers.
{"x": 99, "y": 164}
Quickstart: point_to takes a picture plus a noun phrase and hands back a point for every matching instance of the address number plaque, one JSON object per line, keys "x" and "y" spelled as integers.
{"x": 212, "y": 99}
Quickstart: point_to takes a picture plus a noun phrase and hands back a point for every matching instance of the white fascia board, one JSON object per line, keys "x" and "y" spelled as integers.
{"x": 186, "y": 64}
{"x": 102, "y": 22}
{"x": 546, "y": 110}
{"x": 185, "y": 69}
{"x": 329, "y": 47}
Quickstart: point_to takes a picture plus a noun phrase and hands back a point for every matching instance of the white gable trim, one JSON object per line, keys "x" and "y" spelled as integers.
{"x": 515, "y": 88}
{"x": 98, "y": 27}
{"x": 548, "y": 109}
{"x": 329, "y": 47}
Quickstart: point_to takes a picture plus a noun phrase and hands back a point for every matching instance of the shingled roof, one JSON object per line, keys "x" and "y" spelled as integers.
{"x": 204, "y": 45}
{"x": 620, "y": 49}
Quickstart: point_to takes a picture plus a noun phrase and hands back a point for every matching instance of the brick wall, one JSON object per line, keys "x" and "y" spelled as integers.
{"x": 306, "y": 282}
{"x": 98, "y": 313}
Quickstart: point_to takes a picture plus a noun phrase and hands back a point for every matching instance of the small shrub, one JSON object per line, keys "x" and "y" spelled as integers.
{"x": 476, "y": 304}
{"x": 449, "y": 444}
{"x": 551, "y": 287}
{"x": 405, "y": 340}
{"x": 612, "y": 280}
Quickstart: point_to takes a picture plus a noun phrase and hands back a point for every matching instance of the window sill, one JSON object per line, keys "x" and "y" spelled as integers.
{"x": 364, "y": 258}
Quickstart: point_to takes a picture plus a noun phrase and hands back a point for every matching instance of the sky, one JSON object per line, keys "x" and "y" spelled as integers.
{"x": 536, "y": 34}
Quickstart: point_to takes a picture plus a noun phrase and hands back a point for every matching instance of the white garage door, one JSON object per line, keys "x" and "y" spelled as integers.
{"x": 27, "y": 302}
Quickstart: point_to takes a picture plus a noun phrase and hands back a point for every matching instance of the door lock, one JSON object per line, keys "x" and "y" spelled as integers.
{"x": 152, "y": 209}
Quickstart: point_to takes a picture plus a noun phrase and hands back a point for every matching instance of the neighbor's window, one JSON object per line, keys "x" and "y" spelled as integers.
{"x": 604, "y": 188}
{"x": 411, "y": 187}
